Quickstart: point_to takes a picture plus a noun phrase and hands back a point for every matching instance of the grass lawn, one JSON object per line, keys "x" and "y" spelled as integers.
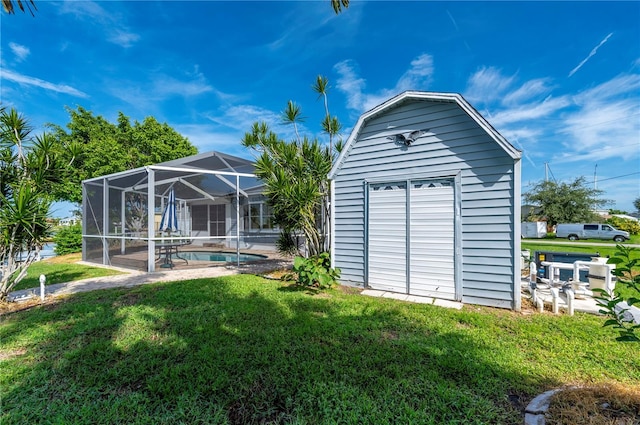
{"x": 604, "y": 251}
{"x": 61, "y": 269}
{"x": 243, "y": 349}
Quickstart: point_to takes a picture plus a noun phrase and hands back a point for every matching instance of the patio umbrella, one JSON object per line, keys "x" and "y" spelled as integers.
{"x": 169, "y": 222}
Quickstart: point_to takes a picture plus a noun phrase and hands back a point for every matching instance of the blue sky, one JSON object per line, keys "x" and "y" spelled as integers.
{"x": 560, "y": 80}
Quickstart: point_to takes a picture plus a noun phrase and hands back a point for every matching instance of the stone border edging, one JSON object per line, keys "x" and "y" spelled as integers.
{"x": 534, "y": 413}
{"x": 538, "y": 407}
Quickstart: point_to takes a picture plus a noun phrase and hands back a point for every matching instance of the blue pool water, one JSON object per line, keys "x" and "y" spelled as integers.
{"x": 228, "y": 257}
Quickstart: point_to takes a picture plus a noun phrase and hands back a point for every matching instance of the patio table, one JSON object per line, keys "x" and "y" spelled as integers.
{"x": 168, "y": 250}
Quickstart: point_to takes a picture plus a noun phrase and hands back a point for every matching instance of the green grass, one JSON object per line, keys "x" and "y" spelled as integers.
{"x": 633, "y": 240}
{"x": 57, "y": 270}
{"x": 604, "y": 251}
{"x": 243, "y": 350}
{"x": 564, "y": 245}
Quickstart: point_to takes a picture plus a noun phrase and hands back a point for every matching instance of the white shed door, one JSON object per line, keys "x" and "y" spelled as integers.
{"x": 432, "y": 239}
{"x": 388, "y": 237}
{"x": 428, "y": 240}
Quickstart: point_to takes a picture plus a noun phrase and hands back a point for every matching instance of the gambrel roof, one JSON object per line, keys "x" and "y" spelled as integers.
{"x": 410, "y": 96}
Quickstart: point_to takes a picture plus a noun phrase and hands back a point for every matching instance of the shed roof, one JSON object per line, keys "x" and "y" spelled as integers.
{"x": 409, "y": 96}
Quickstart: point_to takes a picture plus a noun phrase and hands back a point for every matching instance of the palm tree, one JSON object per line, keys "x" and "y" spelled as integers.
{"x": 330, "y": 124}
{"x": 292, "y": 114}
{"x": 8, "y": 6}
{"x": 339, "y": 4}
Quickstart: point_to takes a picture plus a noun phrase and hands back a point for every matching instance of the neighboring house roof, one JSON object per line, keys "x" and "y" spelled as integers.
{"x": 627, "y": 217}
{"x": 408, "y": 96}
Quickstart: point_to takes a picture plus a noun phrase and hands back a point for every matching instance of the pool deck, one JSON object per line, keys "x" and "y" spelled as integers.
{"x": 137, "y": 260}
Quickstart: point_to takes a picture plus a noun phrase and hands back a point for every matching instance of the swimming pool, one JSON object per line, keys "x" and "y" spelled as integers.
{"x": 227, "y": 257}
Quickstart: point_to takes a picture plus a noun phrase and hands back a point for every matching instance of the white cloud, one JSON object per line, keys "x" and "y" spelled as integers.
{"x": 242, "y": 117}
{"x": 527, "y": 91}
{"x": 19, "y": 50}
{"x": 95, "y": 15}
{"x": 161, "y": 87}
{"x": 417, "y": 77}
{"x": 166, "y": 85}
{"x": 530, "y": 111}
{"x": 487, "y": 84}
{"x": 310, "y": 27}
{"x": 350, "y": 84}
{"x": 624, "y": 84}
{"x": 598, "y": 124}
{"x": 591, "y": 54}
{"x": 207, "y": 137}
{"x": 31, "y": 81}
{"x": 123, "y": 38}
{"x": 603, "y": 130}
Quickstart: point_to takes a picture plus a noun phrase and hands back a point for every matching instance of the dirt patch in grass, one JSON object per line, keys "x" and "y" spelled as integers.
{"x": 13, "y": 307}
{"x": 606, "y": 404}
{"x": 351, "y": 290}
{"x": 65, "y": 259}
{"x": 6, "y": 355}
{"x": 127, "y": 299}
{"x": 276, "y": 274}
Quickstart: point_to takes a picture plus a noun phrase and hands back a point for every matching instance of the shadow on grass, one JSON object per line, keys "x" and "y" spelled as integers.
{"x": 238, "y": 350}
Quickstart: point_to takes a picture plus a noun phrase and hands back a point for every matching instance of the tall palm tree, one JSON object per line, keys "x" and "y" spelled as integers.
{"x": 8, "y": 6}
{"x": 330, "y": 124}
{"x": 339, "y": 4}
{"x": 292, "y": 114}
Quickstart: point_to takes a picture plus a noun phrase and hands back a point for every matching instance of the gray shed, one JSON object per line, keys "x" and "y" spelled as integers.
{"x": 425, "y": 200}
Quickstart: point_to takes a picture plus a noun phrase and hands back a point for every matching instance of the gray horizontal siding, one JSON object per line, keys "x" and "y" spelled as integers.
{"x": 488, "y": 268}
{"x": 489, "y": 234}
{"x": 488, "y": 262}
{"x": 486, "y": 301}
{"x": 479, "y": 244}
{"x": 454, "y": 144}
{"x": 492, "y": 219}
{"x": 498, "y": 294}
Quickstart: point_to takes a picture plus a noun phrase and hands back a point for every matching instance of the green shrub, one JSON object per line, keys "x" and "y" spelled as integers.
{"x": 287, "y": 243}
{"x": 629, "y": 279}
{"x": 315, "y": 272}
{"x": 631, "y": 226}
{"x": 68, "y": 240}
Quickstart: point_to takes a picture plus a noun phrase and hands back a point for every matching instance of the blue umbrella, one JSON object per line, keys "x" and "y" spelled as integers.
{"x": 169, "y": 222}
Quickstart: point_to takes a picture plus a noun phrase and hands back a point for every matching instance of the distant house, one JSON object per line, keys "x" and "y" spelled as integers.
{"x": 426, "y": 201}
{"x": 68, "y": 221}
{"x": 626, "y": 217}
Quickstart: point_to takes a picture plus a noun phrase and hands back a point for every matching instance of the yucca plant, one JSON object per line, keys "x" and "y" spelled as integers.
{"x": 29, "y": 173}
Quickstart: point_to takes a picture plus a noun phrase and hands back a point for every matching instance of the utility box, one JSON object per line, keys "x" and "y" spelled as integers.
{"x": 562, "y": 257}
{"x": 533, "y": 229}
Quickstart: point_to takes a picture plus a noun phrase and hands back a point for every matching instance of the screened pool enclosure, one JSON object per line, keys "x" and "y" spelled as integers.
{"x": 210, "y": 200}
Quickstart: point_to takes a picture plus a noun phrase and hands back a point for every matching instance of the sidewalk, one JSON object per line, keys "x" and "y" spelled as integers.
{"x": 135, "y": 278}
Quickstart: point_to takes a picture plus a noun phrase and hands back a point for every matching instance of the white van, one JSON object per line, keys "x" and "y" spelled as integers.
{"x": 590, "y": 231}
